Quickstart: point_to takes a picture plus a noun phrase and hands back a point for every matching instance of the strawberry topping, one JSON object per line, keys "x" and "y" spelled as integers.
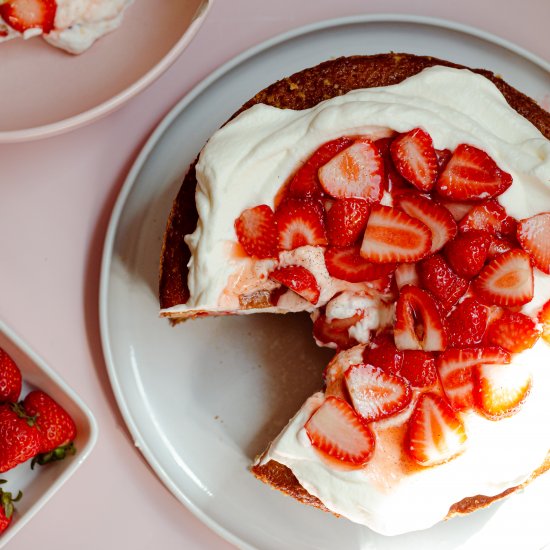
{"x": 346, "y": 221}
{"x": 534, "y": 236}
{"x": 300, "y": 223}
{"x": 256, "y": 232}
{"x": 348, "y": 265}
{"x": 22, "y": 15}
{"x": 472, "y": 175}
{"x": 489, "y": 216}
{"x": 383, "y": 354}
{"x": 457, "y": 209}
{"x": 513, "y": 331}
{"x": 467, "y": 253}
{"x": 298, "y": 279}
{"x": 419, "y": 368}
{"x": 467, "y": 323}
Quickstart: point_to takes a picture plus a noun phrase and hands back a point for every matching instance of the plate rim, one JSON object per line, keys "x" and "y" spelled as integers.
{"x": 153, "y": 141}
{"x": 113, "y": 103}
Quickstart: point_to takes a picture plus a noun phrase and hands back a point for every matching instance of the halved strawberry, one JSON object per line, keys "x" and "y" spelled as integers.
{"x": 376, "y": 394}
{"x": 457, "y": 209}
{"x": 22, "y": 15}
{"x": 348, "y": 265}
{"x": 305, "y": 182}
{"x": 406, "y": 274}
{"x": 488, "y": 216}
{"x": 334, "y": 332}
{"x": 298, "y": 279}
{"x": 418, "y": 324}
{"x": 257, "y": 233}
{"x": 415, "y": 158}
{"x": 393, "y": 236}
{"x": 455, "y": 367}
{"x": 467, "y": 253}
{"x": 357, "y": 171}
{"x": 436, "y": 217}
{"x": 339, "y": 432}
{"x": 500, "y": 390}
{"x": 544, "y": 319}
{"x": 435, "y": 434}
{"x": 472, "y": 175}
{"x": 467, "y": 323}
{"x": 346, "y": 221}
{"x": 395, "y": 183}
{"x": 383, "y": 354}
{"x": 507, "y": 280}
{"x": 419, "y": 368}
{"x": 499, "y": 246}
{"x": 534, "y": 236}
{"x": 437, "y": 276}
{"x": 300, "y": 223}
{"x": 513, "y": 331}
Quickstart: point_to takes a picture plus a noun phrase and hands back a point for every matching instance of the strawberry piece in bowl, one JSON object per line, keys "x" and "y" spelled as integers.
{"x": 348, "y": 265}
{"x": 346, "y": 221}
{"x": 10, "y": 379}
{"x": 467, "y": 253}
{"x": 513, "y": 331}
{"x": 419, "y": 368}
{"x": 383, "y": 354}
{"x": 257, "y": 233}
{"x": 338, "y": 432}
{"x": 300, "y": 223}
{"x": 467, "y": 323}
{"x": 299, "y": 280}
{"x": 534, "y": 236}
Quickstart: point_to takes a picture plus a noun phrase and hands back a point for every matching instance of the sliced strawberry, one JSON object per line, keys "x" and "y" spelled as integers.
{"x": 507, "y": 280}
{"x": 436, "y": 217}
{"x": 383, "y": 354}
{"x": 348, "y": 265}
{"x": 415, "y": 158}
{"x": 472, "y": 175}
{"x": 499, "y": 246}
{"x": 393, "y": 236}
{"x": 544, "y": 319}
{"x": 534, "y": 236}
{"x": 257, "y": 233}
{"x": 22, "y": 15}
{"x": 376, "y": 394}
{"x": 467, "y": 323}
{"x": 419, "y": 368}
{"x": 466, "y": 254}
{"x": 437, "y": 276}
{"x": 305, "y": 182}
{"x": 455, "y": 367}
{"x": 500, "y": 390}
{"x": 488, "y": 216}
{"x": 357, "y": 171}
{"x": 435, "y": 434}
{"x": 335, "y": 332}
{"x": 513, "y": 331}
{"x": 443, "y": 158}
{"x": 457, "y": 209}
{"x": 346, "y": 221}
{"x": 395, "y": 183}
{"x": 418, "y": 324}
{"x": 406, "y": 274}
{"x": 300, "y": 223}
{"x": 339, "y": 432}
{"x": 298, "y": 279}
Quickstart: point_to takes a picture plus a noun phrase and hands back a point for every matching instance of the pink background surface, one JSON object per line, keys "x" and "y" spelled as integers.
{"x": 55, "y": 202}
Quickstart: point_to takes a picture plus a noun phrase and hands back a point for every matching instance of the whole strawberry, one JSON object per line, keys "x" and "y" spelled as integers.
{"x": 56, "y": 428}
{"x": 10, "y": 379}
{"x": 6, "y": 507}
{"x": 19, "y": 438}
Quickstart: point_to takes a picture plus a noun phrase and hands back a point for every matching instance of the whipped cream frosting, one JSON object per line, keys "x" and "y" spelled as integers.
{"x": 246, "y": 162}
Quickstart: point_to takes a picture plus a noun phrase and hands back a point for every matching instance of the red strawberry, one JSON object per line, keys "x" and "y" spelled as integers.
{"x": 298, "y": 279}
{"x": 346, "y": 221}
{"x": 339, "y": 432}
{"x": 499, "y": 246}
{"x": 507, "y": 280}
{"x": 10, "y": 379}
{"x": 472, "y": 174}
{"x": 419, "y": 368}
{"x": 6, "y": 507}
{"x": 437, "y": 218}
{"x": 335, "y": 332}
{"x": 513, "y": 331}
{"x": 467, "y": 253}
{"x": 435, "y": 434}
{"x": 376, "y": 394}
{"x": 393, "y": 236}
{"x": 406, "y": 274}
{"x": 534, "y": 236}
{"x": 395, "y": 182}
{"x": 437, "y": 277}
{"x": 383, "y": 354}
{"x": 467, "y": 323}
{"x": 300, "y": 223}
{"x": 56, "y": 427}
{"x": 348, "y": 265}
{"x": 457, "y": 209}
{"x": 415, "y": 158}
{"x": 357, "y": 171}
{"x": 488, "y": 216}
{"x": 443, "y": 157}
{"x": 544, "y": 319}
{"x": 500, "y": 390}
{"x": 418, "y": 324}
{"x": 305, "y": 182}
{"x": 257, "y": 233}
{"x": 22, "y": 15}
{"x": 19, "y": 438}
{"x": 455, "y": 367}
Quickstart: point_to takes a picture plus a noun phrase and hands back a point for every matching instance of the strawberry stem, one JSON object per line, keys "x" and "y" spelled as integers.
{"x": 60, "y": 453}
{"x": 7, "y": 500}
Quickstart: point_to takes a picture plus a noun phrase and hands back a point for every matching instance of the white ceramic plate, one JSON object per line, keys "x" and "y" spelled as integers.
{"x": 46, "y": 91}
{"x": 40, "y": 484}
{"x": 203, "y": 398}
